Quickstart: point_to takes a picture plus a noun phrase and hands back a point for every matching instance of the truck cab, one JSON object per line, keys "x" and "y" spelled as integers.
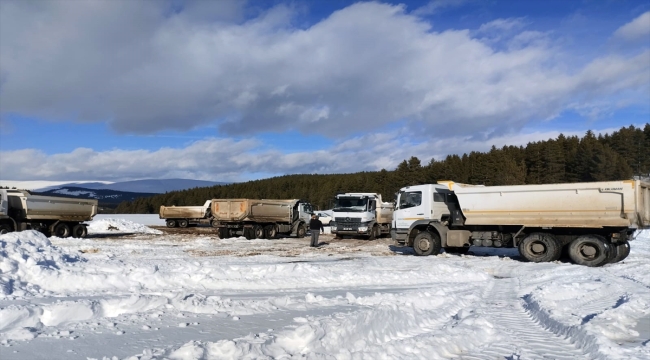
{"x": 421, "y": 202}
{"x": 305, "y": 211}
{"x": 361, "y": 214}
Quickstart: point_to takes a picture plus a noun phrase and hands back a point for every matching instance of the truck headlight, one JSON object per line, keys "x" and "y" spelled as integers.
{"x": 363, "y": 228}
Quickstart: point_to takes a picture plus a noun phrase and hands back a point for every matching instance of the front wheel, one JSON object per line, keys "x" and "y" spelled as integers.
{"x": 374, "y": 233}
{"x": 590, "y": 250}
{"x": 540, "y": 247}
{"x": 427, "y": 243}
{"x": 302, "y": 231}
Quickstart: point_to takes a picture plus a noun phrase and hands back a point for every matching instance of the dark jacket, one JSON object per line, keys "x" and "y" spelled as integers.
{"x": 315, "y": 224}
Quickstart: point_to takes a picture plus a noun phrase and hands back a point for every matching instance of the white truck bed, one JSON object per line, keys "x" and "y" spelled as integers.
{"x": 597, "y": 204}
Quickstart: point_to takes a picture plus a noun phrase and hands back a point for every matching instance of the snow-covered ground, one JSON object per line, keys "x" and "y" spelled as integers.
{"x": 134, "y": 293}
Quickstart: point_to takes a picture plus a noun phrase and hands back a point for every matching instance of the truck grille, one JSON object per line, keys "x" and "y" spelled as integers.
{"x": 347, "y": 223}
{"x": 347, "y": 220}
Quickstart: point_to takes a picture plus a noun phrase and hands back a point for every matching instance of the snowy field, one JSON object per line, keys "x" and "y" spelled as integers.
{"x": 132, "y": 292}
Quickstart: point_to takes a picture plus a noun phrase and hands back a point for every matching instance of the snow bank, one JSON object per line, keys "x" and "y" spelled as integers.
{"x": 28, "y": 259}
{"x": 117, "y": 226}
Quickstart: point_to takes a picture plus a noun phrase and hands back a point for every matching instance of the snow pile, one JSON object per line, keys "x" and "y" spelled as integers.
{"x": 117, "y": 226}
{"x": 26, "y": 259}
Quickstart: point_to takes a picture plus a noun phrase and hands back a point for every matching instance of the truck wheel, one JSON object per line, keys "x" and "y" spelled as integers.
{"x": 270, "y": 231}
{"x": 302, "y": 231}
{"x": 622, "y": 250}
{"x": 249, "y": 234}
{"x": 426, "y": 243}
{"x": 258, "y": 232}
{"x": 590, "y": 250}
{"x": 79, "y": 231}
{"x": 171, "y": 223}
{"x": 183, "y": 223}
{"x": 223, "y": 233}
{"x": 61, "y": 230}
{"x": 374, "y": 233}
{"x": 540, "y": 247}
{"x": 4, "y": 229}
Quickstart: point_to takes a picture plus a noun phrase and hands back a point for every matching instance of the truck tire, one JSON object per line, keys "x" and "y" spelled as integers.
{"x": 590, "y": 250}
{"x": 223, "y": 233}
{"x": 4, "y": 229}
{"x": 249, "y": 234}
{"x": 302, "y": 231}
{"x": 183, "y": 223}
{"x": 61, "y": 230}
{"x": 171, "y": 223}
{"x": 374, "y": 233}
{"x": 79, "y": 231}
{"x": 427, "y": 243}
{"x": 258, "y": 231}
{"x": 621, "y": 250}
{"x": 270, "y": 231}
{"x": 540, "y": 247}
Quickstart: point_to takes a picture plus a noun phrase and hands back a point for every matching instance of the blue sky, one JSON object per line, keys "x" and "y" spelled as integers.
{"x": 237, "y": 90}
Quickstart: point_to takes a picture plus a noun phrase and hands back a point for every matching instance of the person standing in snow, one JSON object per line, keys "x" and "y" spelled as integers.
{"x": 316, "y": 226}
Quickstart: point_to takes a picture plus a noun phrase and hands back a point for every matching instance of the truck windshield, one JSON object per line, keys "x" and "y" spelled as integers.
{"x": 307, "y": 208}
{"x": 410, "y": 199}
{"x": 350, "y": 204}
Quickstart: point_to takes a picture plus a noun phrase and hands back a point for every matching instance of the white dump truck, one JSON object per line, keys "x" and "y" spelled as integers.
{"x": 184, "y": 216}
{"x": 259, "y": 219}
{"x": 591, "y": 222}
{"x": 361, "y": 214}
{"x": 52, "y": 215}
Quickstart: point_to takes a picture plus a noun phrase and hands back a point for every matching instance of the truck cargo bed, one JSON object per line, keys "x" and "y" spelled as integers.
{"x": 597, "y": 204}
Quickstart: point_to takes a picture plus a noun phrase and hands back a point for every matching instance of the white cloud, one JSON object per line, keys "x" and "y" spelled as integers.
{"x": 434, "y": 6}
{"x": 143, "y": 70}
{"x": 637, "y": 29}
{"x": 502, "y": 25}
{"x": 229, "y": 160}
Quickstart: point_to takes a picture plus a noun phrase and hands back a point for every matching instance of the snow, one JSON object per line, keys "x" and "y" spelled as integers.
{"x": 139, "y": 293}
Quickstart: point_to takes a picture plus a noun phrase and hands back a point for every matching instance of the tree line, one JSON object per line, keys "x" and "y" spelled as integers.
{"x": 619, "y": 155}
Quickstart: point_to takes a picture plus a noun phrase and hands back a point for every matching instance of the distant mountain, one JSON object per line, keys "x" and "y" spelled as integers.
{"x": 156, "y": 186}
{"x": 108, "y": 199}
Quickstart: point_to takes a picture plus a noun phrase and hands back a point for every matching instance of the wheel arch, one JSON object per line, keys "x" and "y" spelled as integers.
{"x": 427, "y": 225}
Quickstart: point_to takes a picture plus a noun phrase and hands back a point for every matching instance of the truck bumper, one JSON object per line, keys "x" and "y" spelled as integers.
{"x": 398, "y": 236}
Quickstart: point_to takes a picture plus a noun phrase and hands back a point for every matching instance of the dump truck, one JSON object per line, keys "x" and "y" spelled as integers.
{"x": 258, "y": 219}
{"x": 590, "y": 222}
{"x": 361, "y": 214}
{"x": 52, "y": 215}
{"x": 184, "y": 216}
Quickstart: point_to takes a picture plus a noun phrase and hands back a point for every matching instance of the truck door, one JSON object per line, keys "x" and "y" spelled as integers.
{"x": 410, "y": 208}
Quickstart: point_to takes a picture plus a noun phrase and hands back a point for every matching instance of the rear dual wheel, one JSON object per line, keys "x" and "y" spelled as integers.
{"x": 183, "y": 223}
{"x": 591, "y": 250}
{"x": 79, "y": 231}
{"x": 270, "y": 231}
{"x": 621, "y": 251}
{"x": 171, "y": 223}
{"x": 61, "y": 230}
{"x": 540, "y": 247}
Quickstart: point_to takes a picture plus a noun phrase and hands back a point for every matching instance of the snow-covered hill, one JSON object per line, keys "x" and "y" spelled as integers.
{"x": 157, "y": 186}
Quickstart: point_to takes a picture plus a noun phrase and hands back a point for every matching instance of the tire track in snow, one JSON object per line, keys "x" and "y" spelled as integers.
{"x": 526, "y": 338}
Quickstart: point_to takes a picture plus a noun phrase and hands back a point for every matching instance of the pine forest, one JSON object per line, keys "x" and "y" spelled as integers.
{"x": 622, "y": 154}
